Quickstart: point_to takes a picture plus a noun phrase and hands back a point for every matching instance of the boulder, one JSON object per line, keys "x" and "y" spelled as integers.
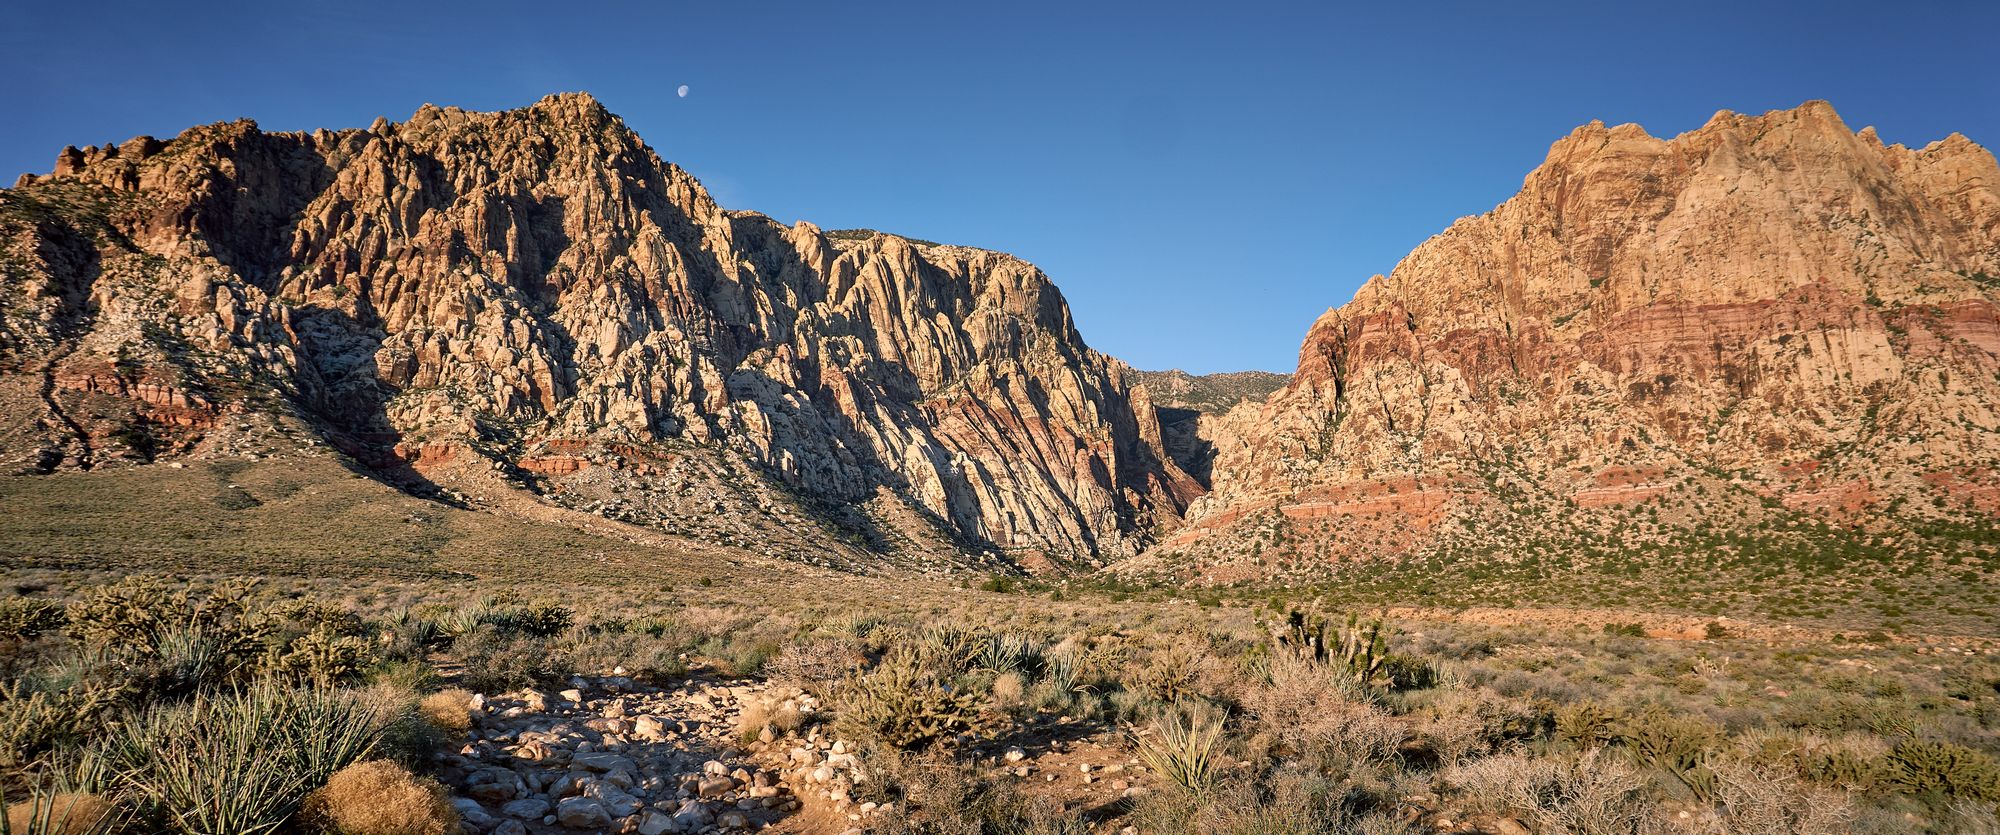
{"x": 526, "y": 808}
{"x": 582, "y": 813}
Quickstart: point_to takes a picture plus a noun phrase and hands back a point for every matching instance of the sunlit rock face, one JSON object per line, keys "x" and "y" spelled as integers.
{"x": 1775, "y": 307}
{"x": 536, "y": 296}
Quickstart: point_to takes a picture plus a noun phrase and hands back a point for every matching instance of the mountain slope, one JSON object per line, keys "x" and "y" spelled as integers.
{"x": 1766, "y": 320}
{"x": 477, "y": 303}
{"x": 1208, "y": 393}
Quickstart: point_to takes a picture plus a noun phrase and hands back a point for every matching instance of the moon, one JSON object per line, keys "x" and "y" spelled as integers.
{"x": 684, "y": 91}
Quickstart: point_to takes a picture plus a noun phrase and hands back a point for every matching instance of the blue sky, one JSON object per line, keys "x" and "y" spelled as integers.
{"x": 1202, "y": 180}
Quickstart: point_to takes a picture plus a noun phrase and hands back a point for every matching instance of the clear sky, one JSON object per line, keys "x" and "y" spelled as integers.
{"x": 1202, "y": 180}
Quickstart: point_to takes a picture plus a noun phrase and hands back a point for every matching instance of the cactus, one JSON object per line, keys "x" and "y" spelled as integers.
{"x": 1677, "y": 745}
{"x": 323, "y": 657}
{"x": 33, "y": 724}
{"x": 1941, "y": 769}
{"x": 1588, "y": 724}
{"x": 141, "y": 614}
{"x": 904, "y": 705}
{"x": 1842, "y": 768}
{"x": 26, "y": 618}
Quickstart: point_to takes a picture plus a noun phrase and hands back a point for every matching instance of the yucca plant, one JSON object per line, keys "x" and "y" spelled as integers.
{"x": 948, "y": 649}
{"x": 1010, "y": 652}
{"x": 240, "y": 762}
{"x": 460, "y": 621}
{"x": 1060, "y": 668}
{"x": 1182, "y": 750}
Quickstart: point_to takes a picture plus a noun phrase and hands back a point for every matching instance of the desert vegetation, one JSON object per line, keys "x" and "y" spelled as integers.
{"x": 210, "y": 703}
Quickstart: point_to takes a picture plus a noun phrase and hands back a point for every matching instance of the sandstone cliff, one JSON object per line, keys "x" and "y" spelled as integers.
{"x": 482, "y": 302}
{"x": 1769, "y": 315}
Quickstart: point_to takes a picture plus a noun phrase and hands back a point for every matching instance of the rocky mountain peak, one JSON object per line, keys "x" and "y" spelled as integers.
{"x": 1767, "y": 309}
{"x": 534, "y": 293}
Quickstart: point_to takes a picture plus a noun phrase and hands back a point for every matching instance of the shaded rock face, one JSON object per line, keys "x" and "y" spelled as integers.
{"x": 536, "y": 293}
{"x": 1774, "y": 306}
{"x": 1188, "y": 405}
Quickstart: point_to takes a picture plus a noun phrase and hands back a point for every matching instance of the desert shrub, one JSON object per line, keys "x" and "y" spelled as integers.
{"x": 411, "y": 636}
{"x": 496, "y": 662}
{"x": 642, "y": 653}
{"x": 1181, "y": 748}
{"x": 816, "y": 664}
{"x": 1750, "y": 800}
{"x": 1308, "y": 712}
{"x": 1287, "y": 801}
{"x": 61, "y": 813}
{"x": 380, "y": 797}
{"x": 1170, "y": 675}
{"x": 449, "y": 710}
{"x": 934, "y": 794}
{"x": 1009, "y": 691}
{"x": 1940, "y": 770}
{"x": 1456, "y": 725}
{"x": 788, "y": 718}
{"x": 1588, "y": 794}
{"x": 405, "y": 674}
{"x": 904, "y": 704}
{"x": 741, "y": 655}
{"x": 240, "y": 762}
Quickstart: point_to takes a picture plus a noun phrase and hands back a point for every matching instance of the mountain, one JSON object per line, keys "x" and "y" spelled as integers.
{"x": 531, "y": 307}
{"x": 1760, "y": 337}
{"x": 1766, "y": 323}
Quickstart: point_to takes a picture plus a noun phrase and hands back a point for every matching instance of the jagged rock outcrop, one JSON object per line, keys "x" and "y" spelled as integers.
{"x": 1768, "y": 314}
{"x": 535, "y": 296}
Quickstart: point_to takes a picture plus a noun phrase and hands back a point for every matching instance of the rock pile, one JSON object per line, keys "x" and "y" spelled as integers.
{"x": 611, "y": 754}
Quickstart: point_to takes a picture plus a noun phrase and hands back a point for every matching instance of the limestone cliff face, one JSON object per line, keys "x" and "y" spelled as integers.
{"x": 1773, "y": 305}
{"x": 536, "y": 293}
